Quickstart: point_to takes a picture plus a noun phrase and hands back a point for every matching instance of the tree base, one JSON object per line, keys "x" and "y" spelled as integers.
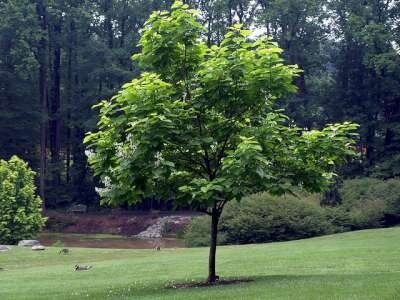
{"x": 196, "y": 284}
{"x": 213, "y": 279}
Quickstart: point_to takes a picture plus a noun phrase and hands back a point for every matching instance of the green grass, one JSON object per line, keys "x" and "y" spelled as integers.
{"x": 356, "y": 265}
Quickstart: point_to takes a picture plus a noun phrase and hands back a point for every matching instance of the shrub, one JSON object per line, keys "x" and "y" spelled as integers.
{"x": 197, "y": 233}
{"x": 20, "y": 208}
{"x": 389, "y": 191}
{"x": 356, "y": 191}
{"x": 339, "y": 218}
{"x": 367, "y": 200}
{"x": 264, "y": 218}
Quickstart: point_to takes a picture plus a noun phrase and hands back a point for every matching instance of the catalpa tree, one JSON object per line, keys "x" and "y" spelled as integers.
{"x": 199, "y": 125}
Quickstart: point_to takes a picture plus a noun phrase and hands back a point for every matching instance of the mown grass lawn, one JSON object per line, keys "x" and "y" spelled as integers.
{"x": 356, "y": 265}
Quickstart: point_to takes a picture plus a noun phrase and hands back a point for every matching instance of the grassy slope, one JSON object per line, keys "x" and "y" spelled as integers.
{"x": 357, "y": 265}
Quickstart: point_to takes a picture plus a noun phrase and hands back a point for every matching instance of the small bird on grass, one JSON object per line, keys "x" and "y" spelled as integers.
{"x": 82, "y": 268}
{"x": 64, "y": 251}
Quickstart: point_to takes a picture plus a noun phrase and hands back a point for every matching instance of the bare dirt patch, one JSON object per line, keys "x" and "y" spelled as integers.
{"x": 119, "y": 222}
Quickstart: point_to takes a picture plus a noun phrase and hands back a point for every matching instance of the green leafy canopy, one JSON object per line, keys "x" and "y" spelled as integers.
{"x": 20, "y": 208}
{"x": 200, "y": 126}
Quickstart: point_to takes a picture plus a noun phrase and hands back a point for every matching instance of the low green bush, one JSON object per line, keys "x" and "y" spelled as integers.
{"x": 197, "y": 233}
{"x": 354, "y": 192}
{"x": 20, "y": 208}
{"x": 367, "y": 200}
{"x": 265, "y": 218}
{"x": 339, "y": 218}
{"x": 391, "y": 192}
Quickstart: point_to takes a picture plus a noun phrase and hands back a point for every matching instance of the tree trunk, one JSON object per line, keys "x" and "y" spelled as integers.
{"x": 70, "y": 54}
{"x": 43, "y": 65}
{"x": 212, "y": 276}
{"x": 108, "y": 23}
{"x": 55, "y": 106}
{"x": 370, "y": 140}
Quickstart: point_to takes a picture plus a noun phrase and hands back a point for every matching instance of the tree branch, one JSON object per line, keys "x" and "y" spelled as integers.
{"x": 220, "y": 206}
{"x": 187, "y": 158}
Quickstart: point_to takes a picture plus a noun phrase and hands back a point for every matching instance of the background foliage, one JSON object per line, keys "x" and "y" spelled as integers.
{"x": 348, "y": 49}
{"x": 366, "y": 203}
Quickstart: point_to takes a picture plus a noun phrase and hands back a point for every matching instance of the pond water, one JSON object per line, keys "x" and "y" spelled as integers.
{"x": 105, "y": 241}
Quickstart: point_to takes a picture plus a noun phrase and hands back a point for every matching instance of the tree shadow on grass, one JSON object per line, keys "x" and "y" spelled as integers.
{"x": 352, "y": 286}
{"x": 267, "y": 279}
{"x": 288, "y": 286}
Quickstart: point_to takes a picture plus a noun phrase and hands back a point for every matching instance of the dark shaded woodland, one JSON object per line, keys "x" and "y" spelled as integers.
{"x": 58, "y": 58}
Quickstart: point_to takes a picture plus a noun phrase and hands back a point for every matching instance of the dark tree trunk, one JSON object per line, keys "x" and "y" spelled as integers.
{"x": 124, "y": 19}
{"x": 55, "y": 106}
{"x": 43, "y": 65}
{"x": 370, "y": 140}
{"x": 212, "y": 276}
{"x": 209, "y": 30}
{"x": 71, "y": 45}
{"x": 392, "y": 116}
{"x": 230, "y": 17}
{"x": 108, "y": 23}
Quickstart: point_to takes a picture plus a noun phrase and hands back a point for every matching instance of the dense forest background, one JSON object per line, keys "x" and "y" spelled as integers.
{"x": 58, "y": 58}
